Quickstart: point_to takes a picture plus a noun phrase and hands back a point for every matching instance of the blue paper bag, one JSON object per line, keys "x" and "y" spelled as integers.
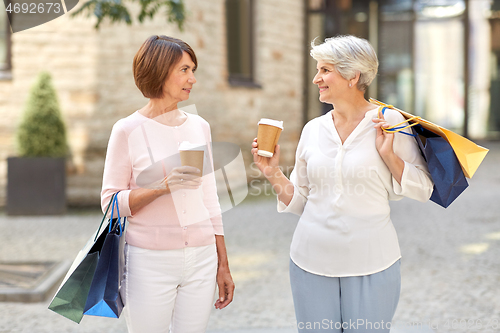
{"x": 444, "y": 167}
{"x": 104, "y": 298}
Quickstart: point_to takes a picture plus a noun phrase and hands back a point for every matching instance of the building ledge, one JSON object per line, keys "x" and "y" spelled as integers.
{"x": 243, "y": 83}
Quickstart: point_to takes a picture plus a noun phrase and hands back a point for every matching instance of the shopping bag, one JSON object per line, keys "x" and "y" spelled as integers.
{"x": 446, "y": 172}
{"x": 469, "y": 154}
{"x": 69, "y": 300}
{"x": 104, "y": 298}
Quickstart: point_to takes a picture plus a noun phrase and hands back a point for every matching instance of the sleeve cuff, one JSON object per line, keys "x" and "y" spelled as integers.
{"x": 123, "y": 203}
{"x": 415, "y": 184}
{"x": 399, "y": 189}
{"x": 217, "y": 225}
{"x": 296, "y": 205}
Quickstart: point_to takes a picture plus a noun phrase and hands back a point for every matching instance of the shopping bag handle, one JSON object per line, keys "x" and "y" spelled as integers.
{"x": 115, "y": 203}
{"x": 400, "y": 126}
{"x": 105, "y": 214}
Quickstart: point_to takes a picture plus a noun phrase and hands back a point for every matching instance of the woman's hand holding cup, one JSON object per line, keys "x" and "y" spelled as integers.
{"x": 184, "y": 177}
{"x": 265, "y": 148}
{"x": 266, "y": 155}
{"x": 267, "y": 165}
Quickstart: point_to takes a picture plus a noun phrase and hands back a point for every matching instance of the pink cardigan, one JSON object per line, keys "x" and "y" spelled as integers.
{"x": 142, "y": 151}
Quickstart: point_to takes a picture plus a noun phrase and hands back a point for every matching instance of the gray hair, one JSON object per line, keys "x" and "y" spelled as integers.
{"x": 349, "y": 55}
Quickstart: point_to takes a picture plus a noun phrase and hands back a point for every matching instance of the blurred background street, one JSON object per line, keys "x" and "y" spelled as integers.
{"x": 450, "y": 265}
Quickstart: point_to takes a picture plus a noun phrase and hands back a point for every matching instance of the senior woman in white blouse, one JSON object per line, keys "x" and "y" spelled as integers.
{"x": 345, "y": 256}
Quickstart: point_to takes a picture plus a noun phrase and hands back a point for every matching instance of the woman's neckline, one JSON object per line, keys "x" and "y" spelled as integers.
{"x": 353, "y": 134}
{"x": 157, "y": 119}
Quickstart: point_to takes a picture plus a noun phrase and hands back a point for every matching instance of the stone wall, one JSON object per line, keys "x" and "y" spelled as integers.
{"x": 67, "y": 49}
{"x": 92, "y": 72}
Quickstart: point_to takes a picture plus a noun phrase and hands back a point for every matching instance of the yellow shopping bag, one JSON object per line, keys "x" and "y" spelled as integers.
{"x": 469, "y": 154}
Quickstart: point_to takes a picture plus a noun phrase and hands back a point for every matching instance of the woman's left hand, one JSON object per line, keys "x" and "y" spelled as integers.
{"x": 224, "y": 279}
{"x": 384, "y": 140}
{"x": 226, "y": 287}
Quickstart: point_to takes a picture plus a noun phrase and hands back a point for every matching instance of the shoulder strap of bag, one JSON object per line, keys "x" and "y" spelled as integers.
{"x": 118, "y": 224}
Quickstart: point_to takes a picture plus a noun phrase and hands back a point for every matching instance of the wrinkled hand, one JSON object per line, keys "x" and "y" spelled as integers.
{"x": 267, "y": 165}
{"x": 226, "y": 287}
{"x": 384, "y": 141}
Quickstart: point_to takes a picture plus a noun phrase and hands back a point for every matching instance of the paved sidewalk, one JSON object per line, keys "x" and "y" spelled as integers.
{"x": 450, "y": 265}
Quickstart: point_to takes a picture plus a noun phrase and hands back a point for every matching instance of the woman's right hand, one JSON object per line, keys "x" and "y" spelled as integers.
{"x": 269, "y": 166}
{"x": 184, "y": 177}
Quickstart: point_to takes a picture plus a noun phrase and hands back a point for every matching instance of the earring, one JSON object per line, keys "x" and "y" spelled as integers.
{"x": 350, "y": 84}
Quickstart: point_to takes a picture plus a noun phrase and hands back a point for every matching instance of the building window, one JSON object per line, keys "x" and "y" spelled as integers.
{"x": 329, "y": 18}
{"x": 240, "y": 45}
{"x": 5, "y": 32}
{"x": 395, "y": 52}
{"x": 494, "y": 117}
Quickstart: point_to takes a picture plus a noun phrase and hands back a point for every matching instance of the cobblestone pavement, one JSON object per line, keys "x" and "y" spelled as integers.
{"x": 450, "y": 270}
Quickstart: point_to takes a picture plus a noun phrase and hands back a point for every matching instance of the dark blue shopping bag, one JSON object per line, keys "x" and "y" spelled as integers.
{"x": 104, "y": 298}
{"x": 444, "y": 167}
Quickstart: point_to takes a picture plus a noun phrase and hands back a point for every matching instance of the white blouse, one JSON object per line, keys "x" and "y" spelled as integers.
{"x": 342, "y": 193}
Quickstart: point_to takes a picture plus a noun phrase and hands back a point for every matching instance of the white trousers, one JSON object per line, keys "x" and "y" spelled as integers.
{"x": 169, "y": 291}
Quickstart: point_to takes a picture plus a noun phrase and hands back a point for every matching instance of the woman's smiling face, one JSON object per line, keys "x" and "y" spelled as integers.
{"x": 330, "y": 83}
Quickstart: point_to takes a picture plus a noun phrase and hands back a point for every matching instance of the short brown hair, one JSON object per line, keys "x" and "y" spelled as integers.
{"x": 154, "y": 60}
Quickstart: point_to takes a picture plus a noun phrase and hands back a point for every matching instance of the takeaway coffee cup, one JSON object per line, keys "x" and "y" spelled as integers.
{"x": 268, "y": 136}
{"x": 192, "y": 155}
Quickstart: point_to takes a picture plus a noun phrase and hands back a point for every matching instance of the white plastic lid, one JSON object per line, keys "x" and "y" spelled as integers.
{"x": 186, "y": 145}
{"x": 271, "y": 122}
{"x": 264, "y": 153}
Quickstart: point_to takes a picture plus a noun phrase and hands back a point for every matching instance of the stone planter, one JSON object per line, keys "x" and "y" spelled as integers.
{"x": 36, "y": 186}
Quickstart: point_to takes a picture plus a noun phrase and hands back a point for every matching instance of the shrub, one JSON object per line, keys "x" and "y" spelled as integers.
{"x": 42, "y": 132}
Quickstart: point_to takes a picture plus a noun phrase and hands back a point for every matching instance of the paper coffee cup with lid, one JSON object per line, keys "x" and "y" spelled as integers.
{"x": 268, "y": 136}
{"x": 192, "y": 155}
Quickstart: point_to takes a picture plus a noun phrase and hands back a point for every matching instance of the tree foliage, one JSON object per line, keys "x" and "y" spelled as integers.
{"x": 117, "y": 11}
{"x": 42, "y": 132}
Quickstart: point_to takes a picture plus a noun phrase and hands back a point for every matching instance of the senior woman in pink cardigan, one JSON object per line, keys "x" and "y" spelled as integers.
{"x": 175, "y": 252}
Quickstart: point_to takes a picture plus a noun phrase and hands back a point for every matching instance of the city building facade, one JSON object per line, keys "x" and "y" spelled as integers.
{"x": 254, "y": 63}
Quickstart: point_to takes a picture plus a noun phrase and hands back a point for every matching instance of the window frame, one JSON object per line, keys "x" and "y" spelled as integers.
{"x": 6, "y": 71}
{"x": 236, "y": 79}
